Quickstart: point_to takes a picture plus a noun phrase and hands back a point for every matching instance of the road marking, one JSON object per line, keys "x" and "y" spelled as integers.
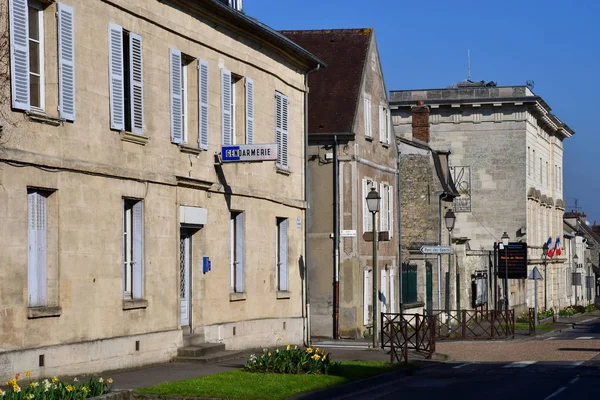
{"x": 519, "y": 364}
{"x": 551, "y": 338}
{"x": 572, "y": 381}
{"x": 556, "y": 393}
{"x": 461, "y": 365}
{"x": 584, "y": 338}
{"x": 576, "y": 364}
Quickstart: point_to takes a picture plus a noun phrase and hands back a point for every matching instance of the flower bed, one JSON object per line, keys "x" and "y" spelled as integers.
{"x": 291, "y": 361}
{"x": 54, "y": 389}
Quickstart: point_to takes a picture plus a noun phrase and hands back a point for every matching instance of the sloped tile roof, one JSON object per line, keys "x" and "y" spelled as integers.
{"x": 334, "y": 91}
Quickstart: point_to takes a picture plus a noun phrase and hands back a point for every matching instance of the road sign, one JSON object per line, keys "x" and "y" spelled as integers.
{"x": 348, "y": 233}
{"x": 435, "y": 249}
{"x": 535, "y": 275}
{"x": 249, "y": 153}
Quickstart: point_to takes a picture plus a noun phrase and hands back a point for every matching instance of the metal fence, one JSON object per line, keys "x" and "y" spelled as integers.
{"x": 474, "y": 324}
{"x": 401, "y": 332}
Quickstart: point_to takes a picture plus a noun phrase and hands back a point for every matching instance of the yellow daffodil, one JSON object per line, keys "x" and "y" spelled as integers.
{"x": 316, "y": 357}
{"x": 101, "y": 380}
{"x": 309, "y": 350}
{"x": 269, "y": 354}
{"x": 318, "y": 349}
{"x": 324, "y": 357}
{"x": 28, "y": 373}
{"x": 279, "y": 339}
{"x": 84, "y": 389}
{"x": 288, "y": 347}
{"x": 109, "y": 380}
{"x": 54, "y": 380}
{"x": 1, "y": 392}
{"x": 69, "y": 388}
{"x": 16, "y": 388}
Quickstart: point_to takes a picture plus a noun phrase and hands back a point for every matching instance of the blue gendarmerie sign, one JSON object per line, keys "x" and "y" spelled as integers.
{"x": 249, "y": 153}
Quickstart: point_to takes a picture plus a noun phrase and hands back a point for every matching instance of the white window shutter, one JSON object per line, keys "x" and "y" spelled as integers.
{"x": 367, "y": 117}
{"x": 382, "y": 133}
{"x": 203, "y": 104}
{"x": 392, "y": 295}
{"x": 239, "y": 251}
{"x": 389, "y": 126}
{"x": 383, "y": 291}
{"x": 383, "y": 215}
{"x": 365, "y": 191}
{"x": 281, "y": 129}
{"x": 283, "y": 244}
{"x": 138, "y": 250}
{"x": 249, "y": 111}
{"x": 66, "y": 62}
{"x": 36, "y": 261}
{"x": 278, "y": 133}
{"x": 366, "y": 296}
{"x": 226, "y": 116}
{"x": 391, "y": 210}
{"x": 136, "y": 83}
{"x": 115, "y": 63}
{"x": 19, "y": 54}
{"x": 176, "y": 99}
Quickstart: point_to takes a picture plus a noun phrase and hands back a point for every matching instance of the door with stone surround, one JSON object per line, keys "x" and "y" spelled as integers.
{"x": 185, "y": 261}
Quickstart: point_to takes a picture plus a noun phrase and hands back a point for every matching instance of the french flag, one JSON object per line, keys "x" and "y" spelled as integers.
{"x": 557, "y": 249}
{"x": 550, "y": 249}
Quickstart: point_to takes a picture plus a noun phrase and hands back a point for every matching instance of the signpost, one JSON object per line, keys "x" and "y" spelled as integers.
{"x": 249, "y": 153}
{"x": 435, "y": 249}
{"x": 535, "y": 276}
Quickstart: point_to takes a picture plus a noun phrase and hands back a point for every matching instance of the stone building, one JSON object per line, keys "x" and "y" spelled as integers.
{"x": 506, "y": 152}
{"x": 123, "y": 231}
{"x": 351, "y": 150}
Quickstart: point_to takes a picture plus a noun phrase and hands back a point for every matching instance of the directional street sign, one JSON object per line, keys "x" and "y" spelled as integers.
{"x": 535, "y": 275}
{"x": 435, "y": 249}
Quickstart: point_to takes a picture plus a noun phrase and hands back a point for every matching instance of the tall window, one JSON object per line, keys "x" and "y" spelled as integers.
{"x": 367, "y": 183}
{"x": 236, "y": 240}
{"x": 126, "y": 80}
{"x": 281, "y": 253}
{"x": 179, "y": 96}
{"x": 386, "y": 212}
{"x": 132, "y": 249}
{"x": 384, "y": 125}
{"x": 367, "y": 116}
{"x": 37, "y": 222}
{"x": 36, "y": 56}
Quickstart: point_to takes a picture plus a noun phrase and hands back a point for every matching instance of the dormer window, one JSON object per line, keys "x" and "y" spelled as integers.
{"x": 236, "y": 4}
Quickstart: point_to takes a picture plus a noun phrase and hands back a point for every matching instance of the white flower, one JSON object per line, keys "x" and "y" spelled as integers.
{"x": 75, "y": 379}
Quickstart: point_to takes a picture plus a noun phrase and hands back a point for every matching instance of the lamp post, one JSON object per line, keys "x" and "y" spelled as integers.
{"x": 545, "y": 253}
{"x": 449, "y": 220}
{"x": 373, "y": 201}
{"x": 505, "y": 239}
{"x": 573, "y": 274}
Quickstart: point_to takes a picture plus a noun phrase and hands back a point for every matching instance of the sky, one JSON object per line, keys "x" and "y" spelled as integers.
{"x": 424, "y": 45}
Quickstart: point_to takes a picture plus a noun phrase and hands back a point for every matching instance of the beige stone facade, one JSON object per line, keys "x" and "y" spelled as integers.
{"x": 85, "y": 174}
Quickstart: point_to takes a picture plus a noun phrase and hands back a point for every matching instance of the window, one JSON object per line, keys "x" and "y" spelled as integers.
{"x": 281, "y": 130}
{"x": 179, "y": 96}
{"x": 37, "y": 222}
{"x": 132, "y": 249}
{"x": 384, "y": 125}
{"x": 367, "y": 183}
{"x": 236, "y": 4}
{"x": 386, "y": 208}
{"x": 367, "y": 116}
{"x": 126, "y": 80}
{"x": 233, "y": 114}
{"x": 27, "y": 57}
{"x": 236, "y": 240}
{"x": 409, "y": 283}
{"x": 282, "y": 254}
{"x": 203, "y": 104}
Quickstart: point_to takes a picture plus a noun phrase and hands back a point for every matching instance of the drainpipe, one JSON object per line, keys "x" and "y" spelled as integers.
{"x": 336, "y": 242}
{"x": 307, "y": 338}
{"x": 399, "y": 201}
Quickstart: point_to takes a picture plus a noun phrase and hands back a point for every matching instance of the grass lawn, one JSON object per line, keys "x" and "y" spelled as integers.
{"x": 245, "y": 385}
{"x": 524, "y": 326}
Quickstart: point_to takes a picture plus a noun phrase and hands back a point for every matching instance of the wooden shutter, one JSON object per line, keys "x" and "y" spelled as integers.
{"x": 176, "y": 99}
{"x": 36, "y": 255}
{"x": 367, "y": 117}
{"x": 283, "y": 255}
{"x": 19, "y": 54}
{"x": 138, "y": 250}
{"x": 391, "y": 210}
{"x": 281, "y": 129}
{"x": 239, "y": 253}
{"x": 226, "y": 116}
{"x": 249, "y": 111}
{"x": 66, "y": 62}
{"x": 203, "y": 104}
{"x": 136, "y": 83}
{"x": 382, "y": 133}
{"x": 392, "y": 294}
{"x": 116, "y": 83}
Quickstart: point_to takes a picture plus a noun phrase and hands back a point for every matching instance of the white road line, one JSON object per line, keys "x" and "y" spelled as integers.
{"x": 551, "y": 338}
{"x": 519, "y": 364}
{"x": 572, "y": 381}
{"x": 556, "y": 393}
{"x": 584, "y": 338}
{"x": 576, "y": 364}
{"x": 461, "y": 365}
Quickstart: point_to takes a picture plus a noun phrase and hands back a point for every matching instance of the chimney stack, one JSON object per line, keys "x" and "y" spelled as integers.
{"x": 420, "y": 122}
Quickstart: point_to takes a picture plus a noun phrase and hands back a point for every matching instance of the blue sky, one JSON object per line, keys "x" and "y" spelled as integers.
{"x": 424, "y": 45}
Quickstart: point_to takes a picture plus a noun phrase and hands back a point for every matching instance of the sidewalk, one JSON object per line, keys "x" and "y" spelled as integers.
{"x": 561, "y": 324}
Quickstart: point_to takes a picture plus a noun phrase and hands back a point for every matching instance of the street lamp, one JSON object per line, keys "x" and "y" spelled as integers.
{"x": 573, "y": 274}
{"x": 449, "y": 220}
{"x": 545, "y": 253}
{"x": 505, "y": 238}
{"x": 373, "y": 201}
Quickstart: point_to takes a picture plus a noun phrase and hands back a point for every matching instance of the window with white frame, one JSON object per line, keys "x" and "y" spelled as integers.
{"x": 236, "y": 246}
{"x": 368, "y": 116}
{"x": 126, "y": 80}
{"x": 281, "y": 254}
{"x": 133, "y": 264}
{"x": 234, "y": 116}
{"x": 384, "y": 125}
{"x": 281, "y": 130}
{"x": 384, "y": 291}
{"x": 37, "y": 222}
{"x": 179, "y": 88}
{"x": 27, "y": 57}
{"x": 367, "y": 184}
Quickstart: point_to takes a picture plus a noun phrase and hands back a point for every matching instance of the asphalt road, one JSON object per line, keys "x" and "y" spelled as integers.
{"x": 587, "y": 330}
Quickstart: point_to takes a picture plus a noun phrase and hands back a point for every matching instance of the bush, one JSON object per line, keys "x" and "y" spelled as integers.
{"x": 592, "y": 307}
{"x": 54, "y": 389}
{"x": 291, "y": 361}
{"x": 571, "y": 310}
{"x": 545, "y": 313}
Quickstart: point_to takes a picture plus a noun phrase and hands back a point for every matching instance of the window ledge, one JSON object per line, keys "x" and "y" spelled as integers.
{"x": 134, "y": 304}
{"x": 237, "y": 296}
{"x": 43, "y": 118}
{"x": 282, "y": 171}
{"x": 369, "y": 138}
{"x": 190, "y": 150}
{"x": 283, "y": 294}
{"x": 43, "y": 312}
{"x": 418, "y": 304}
{"x": 385, "y": 144}
{"x": 133, "y": 138}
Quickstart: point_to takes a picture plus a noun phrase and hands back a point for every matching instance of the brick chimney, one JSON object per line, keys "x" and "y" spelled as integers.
{"x": 420, "y": 122}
